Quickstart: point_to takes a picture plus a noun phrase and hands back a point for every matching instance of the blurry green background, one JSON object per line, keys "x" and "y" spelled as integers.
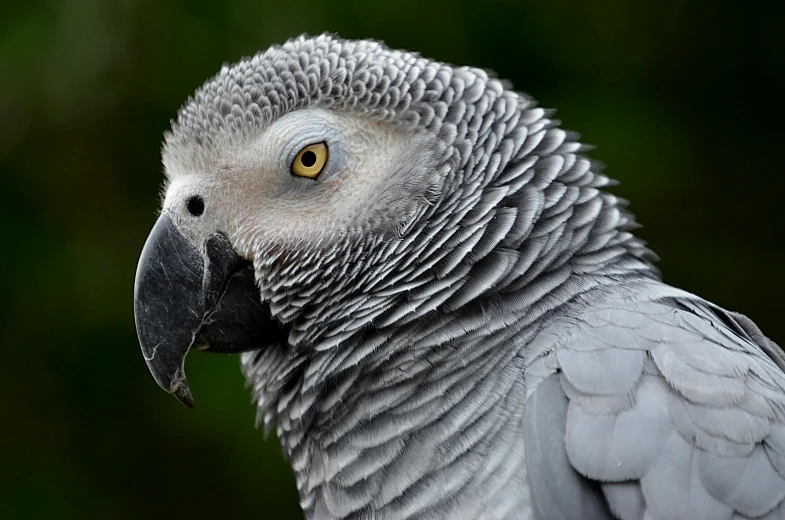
{"x": 684, "y": 101}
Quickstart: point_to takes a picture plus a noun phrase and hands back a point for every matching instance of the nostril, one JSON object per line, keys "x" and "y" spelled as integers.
{"x": 195, "y": 205}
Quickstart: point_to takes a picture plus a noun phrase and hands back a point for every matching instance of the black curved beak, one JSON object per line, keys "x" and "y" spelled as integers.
{"x": 185, "y": 296}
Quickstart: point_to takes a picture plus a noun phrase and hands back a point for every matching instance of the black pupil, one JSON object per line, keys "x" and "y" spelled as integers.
{"x": 195, "y": 205}
{"x": 308, "y": 159}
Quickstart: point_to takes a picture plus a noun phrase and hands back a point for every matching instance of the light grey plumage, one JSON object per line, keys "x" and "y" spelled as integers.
{"x": 477, "y": 335}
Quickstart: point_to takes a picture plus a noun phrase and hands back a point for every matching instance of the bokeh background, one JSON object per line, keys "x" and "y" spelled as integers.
{"x": 683, "y": 99}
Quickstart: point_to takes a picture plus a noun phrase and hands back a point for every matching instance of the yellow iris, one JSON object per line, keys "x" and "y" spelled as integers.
{"x": 310, "y": 161}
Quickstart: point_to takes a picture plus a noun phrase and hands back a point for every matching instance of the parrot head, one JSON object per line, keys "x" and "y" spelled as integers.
{"x": 287, "y": 183}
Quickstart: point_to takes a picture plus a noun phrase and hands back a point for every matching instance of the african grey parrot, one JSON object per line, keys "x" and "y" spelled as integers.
{"x": 440, "y": 309}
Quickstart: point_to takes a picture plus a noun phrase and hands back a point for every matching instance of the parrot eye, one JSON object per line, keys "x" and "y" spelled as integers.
{"x": 195, "y": 205}
{"x": 310, "y": 161}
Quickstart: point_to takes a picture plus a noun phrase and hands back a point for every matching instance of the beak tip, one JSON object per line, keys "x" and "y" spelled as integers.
{"x": 183, "y": 394}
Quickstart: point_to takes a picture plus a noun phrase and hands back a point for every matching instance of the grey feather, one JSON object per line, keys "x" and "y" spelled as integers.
{"x": 602, "y": 371}
{"x": 558, "y": 491}
{"x": 748, "y": 484}
{"x": 673, "y": 489}
{"x": 626, "y": 499}
{"x": 609, "y": 446}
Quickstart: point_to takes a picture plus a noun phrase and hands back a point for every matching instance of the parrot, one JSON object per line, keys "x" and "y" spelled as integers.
{"x": 440, "y": 308}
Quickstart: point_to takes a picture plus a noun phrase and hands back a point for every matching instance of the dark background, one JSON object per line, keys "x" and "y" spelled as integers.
{"x": 684, "y": 101}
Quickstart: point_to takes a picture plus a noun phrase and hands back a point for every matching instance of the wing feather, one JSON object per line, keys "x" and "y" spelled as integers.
{"x": 673, "y": 407}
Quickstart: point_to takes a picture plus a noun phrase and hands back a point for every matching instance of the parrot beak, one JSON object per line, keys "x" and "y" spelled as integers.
{"x": 206, "y": 298}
